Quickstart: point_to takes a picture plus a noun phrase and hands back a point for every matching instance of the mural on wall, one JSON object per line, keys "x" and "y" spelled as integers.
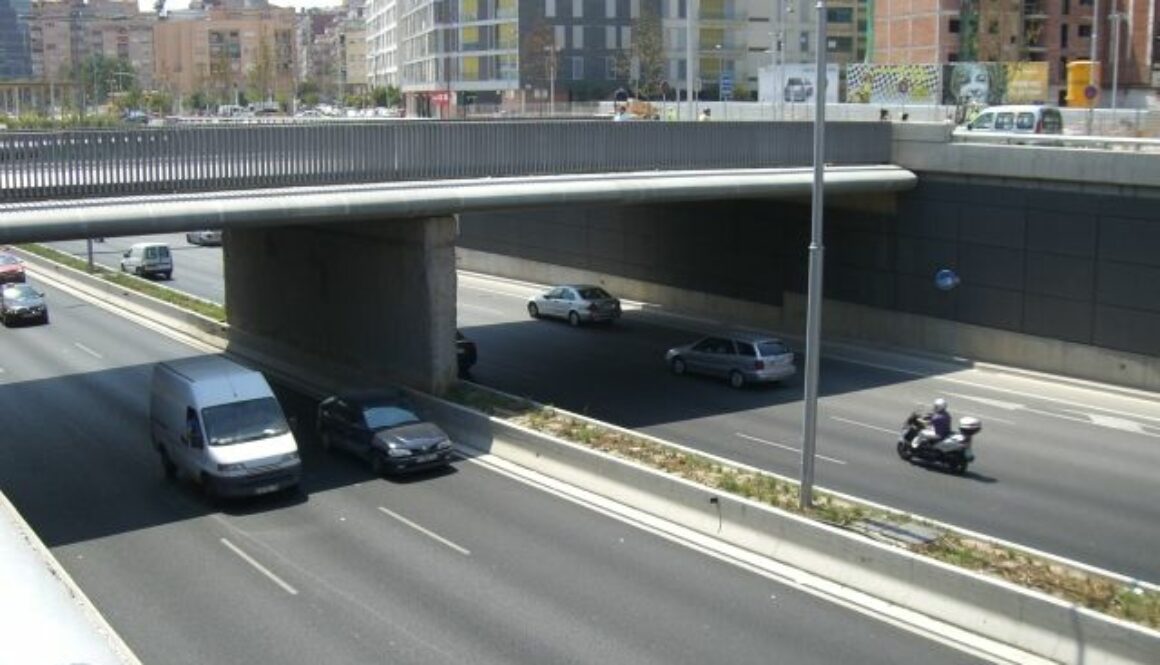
{"x": 994, "y": 83}
{"x": 794, "y": 83}
{"x": 893, "y": 84}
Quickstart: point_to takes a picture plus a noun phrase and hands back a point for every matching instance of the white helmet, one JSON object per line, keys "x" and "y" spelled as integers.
{"x": 940, "y": 405}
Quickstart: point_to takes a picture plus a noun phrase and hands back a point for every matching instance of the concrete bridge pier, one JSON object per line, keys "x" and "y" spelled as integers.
{"x": 377, "y": 295}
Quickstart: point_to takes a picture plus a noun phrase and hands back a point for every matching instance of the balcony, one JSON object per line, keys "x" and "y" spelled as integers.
{"x": 1034, "y": 10}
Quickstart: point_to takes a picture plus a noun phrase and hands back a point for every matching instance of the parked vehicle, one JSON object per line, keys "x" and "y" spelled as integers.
{"x": 21, "y": 302}
{"x": 11, "y": 268}
{"x": 382, "y": 428}
{"x": 578, "y": 303}
{"x": 954, "y": 452}
{"x": 740, "y": 357}
{"x": 147, "y": 259}
{"x": 205, "y": 237}
{"x": 1024, "y": 119}
{"x": 219, "y": 424}
{"x": 795, "y": 90}
{"x": 465, "y": 353}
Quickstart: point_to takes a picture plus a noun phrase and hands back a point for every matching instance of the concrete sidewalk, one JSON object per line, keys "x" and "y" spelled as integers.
{"x": 44, "y": 616}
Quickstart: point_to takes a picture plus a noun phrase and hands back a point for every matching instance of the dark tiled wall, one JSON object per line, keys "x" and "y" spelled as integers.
{"x": 1077, "y": 267}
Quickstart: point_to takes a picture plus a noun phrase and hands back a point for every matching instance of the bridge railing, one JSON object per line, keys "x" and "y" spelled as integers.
{"x": 127, "y": 162}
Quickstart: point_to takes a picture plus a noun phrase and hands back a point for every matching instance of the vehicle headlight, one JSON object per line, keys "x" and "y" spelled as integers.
{"x": 443, "y": 445}
{"x": 230, "y": 468}
{"x": 396, "y": 451}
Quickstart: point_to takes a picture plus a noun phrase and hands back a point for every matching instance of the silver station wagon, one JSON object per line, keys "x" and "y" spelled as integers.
{"x": 740, "y": 357}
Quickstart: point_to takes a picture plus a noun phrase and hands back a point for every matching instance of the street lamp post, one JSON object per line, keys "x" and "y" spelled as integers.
{"x": 551, "y": 55}
{"x": 690, "y": 32}
{"x": 1095, "y": 39}
{"x": 1118, "y": 18}
{"x": 814, "y": 293}
{"x": 720, "y": 74}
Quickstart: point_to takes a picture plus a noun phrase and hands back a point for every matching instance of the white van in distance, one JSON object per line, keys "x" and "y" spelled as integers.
{"x": 147, "y": 259}
{"x": 219, "y": 424}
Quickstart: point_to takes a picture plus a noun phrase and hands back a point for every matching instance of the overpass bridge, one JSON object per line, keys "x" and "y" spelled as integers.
{"x": 1041, "y": 235}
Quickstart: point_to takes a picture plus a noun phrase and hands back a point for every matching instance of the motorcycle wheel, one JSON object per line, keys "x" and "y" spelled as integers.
{"x": 904, "y": 450}
{"x": 959, "y": 465}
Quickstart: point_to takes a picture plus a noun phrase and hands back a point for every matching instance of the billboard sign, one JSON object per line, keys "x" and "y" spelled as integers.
{"x": 988, "y": 83}
{"x": 794, "y": 83}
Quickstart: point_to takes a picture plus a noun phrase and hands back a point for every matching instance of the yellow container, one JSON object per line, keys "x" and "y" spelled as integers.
{"x": 1079, "y": 73}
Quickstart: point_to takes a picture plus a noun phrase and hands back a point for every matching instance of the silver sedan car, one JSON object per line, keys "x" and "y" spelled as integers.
{"x": 740, "y": 357}
{"x": 578, "y": 303}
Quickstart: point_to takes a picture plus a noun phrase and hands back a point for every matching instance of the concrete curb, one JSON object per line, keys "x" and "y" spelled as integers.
{"x": 995, "y": 609}
{"x": 992, "y": 608}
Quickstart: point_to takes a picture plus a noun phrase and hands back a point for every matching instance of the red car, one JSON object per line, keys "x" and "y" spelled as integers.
{"x": 11, "y": 269}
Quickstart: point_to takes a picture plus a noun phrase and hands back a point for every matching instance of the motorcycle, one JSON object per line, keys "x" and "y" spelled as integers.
{"x": 916, "y": 442}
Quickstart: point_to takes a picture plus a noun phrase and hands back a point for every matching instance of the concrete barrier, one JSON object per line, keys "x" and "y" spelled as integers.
{"x": 1028, "y": 620}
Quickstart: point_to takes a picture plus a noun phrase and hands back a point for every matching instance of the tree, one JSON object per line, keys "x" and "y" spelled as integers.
{"x": 261, "y": 75}
{"x": 648, "y": 52}
{"x": 539, "y": 54}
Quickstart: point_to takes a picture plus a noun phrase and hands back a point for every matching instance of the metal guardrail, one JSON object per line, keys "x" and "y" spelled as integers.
{"x": 1122, "y": 143}
{"x": 128, "y": 162}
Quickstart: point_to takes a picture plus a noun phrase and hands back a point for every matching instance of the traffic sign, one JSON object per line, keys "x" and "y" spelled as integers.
{"x": 1091, "y": 92}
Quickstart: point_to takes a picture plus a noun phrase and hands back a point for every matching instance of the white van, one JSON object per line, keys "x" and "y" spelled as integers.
{"x": 147, "y": 259}
{"x": 1025, "y": 119}
{"x": 219, "y": 424}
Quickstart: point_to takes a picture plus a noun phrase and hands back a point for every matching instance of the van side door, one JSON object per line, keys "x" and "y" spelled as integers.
{"x": 190, "y": 452}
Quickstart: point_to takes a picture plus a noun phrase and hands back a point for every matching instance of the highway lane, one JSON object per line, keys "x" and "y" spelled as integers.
{"x": 1065, "y": 469}
{"x": 1061, "y": 468}
{"x": 463, "y": 566}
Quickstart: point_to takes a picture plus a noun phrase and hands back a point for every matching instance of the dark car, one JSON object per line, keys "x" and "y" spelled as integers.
{"x": 465, "y": 353}
{"x": 11, "y": 268}
{"x": 382, "y": 428}
{"x": 21, "y": 302}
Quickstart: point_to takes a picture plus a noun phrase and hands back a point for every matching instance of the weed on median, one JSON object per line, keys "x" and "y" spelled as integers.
{"x": 206, "y": 308}
{"x": 1085, "y": 589}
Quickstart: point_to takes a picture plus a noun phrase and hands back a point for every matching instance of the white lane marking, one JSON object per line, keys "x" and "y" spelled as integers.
{"x": 487, "y": 310}
{"x": 1116, "y": 423}
{"x": 260, "y": 568}
{"x": 784, "y": 447}
{"x": 998, "y": 404}
{"x": 867, "y": 426}
{"x": 431, "y": 534}
{"x": 87, "y": 350}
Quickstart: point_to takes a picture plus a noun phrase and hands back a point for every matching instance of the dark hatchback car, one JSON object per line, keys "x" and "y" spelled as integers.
{"x": 382, "y": 428}
{"x": 465, "y": 352}
{"x": 21, "y": 302}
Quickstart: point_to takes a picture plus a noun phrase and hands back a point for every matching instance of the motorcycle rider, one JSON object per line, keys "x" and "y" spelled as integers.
{"x": 938, "y": 424}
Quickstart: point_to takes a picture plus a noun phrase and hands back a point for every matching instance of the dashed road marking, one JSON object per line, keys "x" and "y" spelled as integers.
{"x": 785, "y": 447}
{"x": 89, "y": 351}
{"x": 260, "y": 568}
{"x": 427, "y": 532}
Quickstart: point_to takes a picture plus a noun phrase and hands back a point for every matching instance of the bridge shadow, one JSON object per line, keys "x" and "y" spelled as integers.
{"x": 618, "y": 373}
{"x": 77, "y": 461}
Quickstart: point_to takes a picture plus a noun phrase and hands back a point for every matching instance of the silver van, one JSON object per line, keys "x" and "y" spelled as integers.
{"x": 1026, "y": 119}
{"x": 147, "y": 259}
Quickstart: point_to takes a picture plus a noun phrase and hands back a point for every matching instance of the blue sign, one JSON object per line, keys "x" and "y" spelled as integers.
{"x": 946, "y": 279}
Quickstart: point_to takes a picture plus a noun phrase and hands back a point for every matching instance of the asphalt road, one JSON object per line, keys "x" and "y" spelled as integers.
{"x": 462, "y": 566}
{"x": 1063, "y": 468}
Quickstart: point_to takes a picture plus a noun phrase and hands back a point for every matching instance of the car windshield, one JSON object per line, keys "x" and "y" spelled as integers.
{"x": 8, "y": 260}
{"x": 248, "y": 420}
{"x": 771, "y": 348}
{"x": 378, "y": 417}
{"x": 593, "y": 293}
{"x": 19, "y": 292}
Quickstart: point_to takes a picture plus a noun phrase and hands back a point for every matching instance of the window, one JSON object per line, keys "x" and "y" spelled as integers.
{"x": 804, "y": 41}
{"x": 610, "y": 37}
{"x": 634, "y": 8}
{"x": 1063, "y": 36}
{"x": 626, "y": 36}
{"x": 840, "y": 15}
{"x": 559, "y": 36}
{"x": 953, "y": 26}
{"x": 610, "y": 68}
{"x": 952, "y": 57}
{"x": 1084, "y": 31}
{"x": 578, "y": 37}
{"x": 609, "y": 8}
{"x": 577, "y": 69}
{"x": 577, "y": 8}
{"x": 550, "y": 8}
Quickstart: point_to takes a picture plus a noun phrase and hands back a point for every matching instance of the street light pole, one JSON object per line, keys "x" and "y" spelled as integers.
{"x": 690, "y": 32}
{"x": 1118, "y": 17}
{"x": 814, "y": 293}
{"x": 1095, "y": 38}
{"x": 720, "y": 73}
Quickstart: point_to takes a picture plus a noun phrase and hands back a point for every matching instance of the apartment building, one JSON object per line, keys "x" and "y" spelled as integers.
{"x": 15, "y": 62}
{"x": 225, "y": 52}
{"x": 64, "y": 34}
